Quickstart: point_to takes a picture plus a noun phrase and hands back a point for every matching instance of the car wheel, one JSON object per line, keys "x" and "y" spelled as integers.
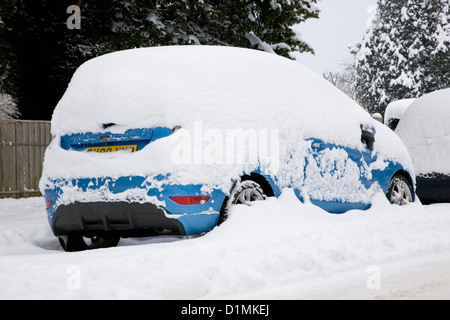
{"x": 244, "y": 192}
{"x": 76, "y": 242}
{"x": 400, "y": 191}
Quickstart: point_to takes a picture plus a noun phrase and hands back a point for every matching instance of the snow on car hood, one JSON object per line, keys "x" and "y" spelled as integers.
{"x": 208, "y": 91}
{"x": 425, "y": 130}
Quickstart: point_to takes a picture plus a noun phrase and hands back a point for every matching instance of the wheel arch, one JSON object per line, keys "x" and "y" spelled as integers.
{"x": 406, "y": 175}
{"x": 262, "y": 181}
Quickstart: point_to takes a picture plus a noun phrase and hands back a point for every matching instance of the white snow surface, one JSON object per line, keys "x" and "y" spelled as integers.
{"x": 223, "y": 86}
{"x": 277, "y": 249}
{"x": 425, "y": 130}
{"x": 212, "y": 88}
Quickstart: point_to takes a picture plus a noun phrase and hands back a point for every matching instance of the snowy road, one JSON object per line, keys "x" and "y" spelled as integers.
{"x": 277, "y": 249}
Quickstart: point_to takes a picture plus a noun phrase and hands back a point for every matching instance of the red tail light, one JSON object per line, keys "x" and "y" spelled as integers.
{"x": 190, "y": 200}
{"x": 48, "y": 204}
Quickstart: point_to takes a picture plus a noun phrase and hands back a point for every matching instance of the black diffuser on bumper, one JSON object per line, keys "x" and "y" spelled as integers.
{"x": 122, "y": 218}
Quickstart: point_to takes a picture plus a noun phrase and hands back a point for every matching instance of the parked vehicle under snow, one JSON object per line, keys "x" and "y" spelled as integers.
{"x": 425, "y": 130}
{"x": 162, "y": 140}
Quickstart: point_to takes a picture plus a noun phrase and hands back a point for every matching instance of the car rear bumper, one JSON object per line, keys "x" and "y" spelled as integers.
{"x": 129, "y": 206}
{"x": 121, "y": 217}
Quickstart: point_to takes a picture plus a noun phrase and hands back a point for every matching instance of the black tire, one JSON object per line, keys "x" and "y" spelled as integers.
{"x": 76, "y": 242}
{"x": 243, "y": 192}
{"x": 400, "y": 190}
{"x": 246, "y": 192}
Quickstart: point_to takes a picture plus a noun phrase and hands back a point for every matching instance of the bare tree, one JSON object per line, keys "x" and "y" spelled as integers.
{"x": 344, "y": 80}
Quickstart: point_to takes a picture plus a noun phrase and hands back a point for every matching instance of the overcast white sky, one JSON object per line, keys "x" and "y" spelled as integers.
{"x": 340, "y": 23}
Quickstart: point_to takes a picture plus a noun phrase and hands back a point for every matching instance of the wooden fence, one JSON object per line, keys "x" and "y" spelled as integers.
{"x": 22, "y": 148}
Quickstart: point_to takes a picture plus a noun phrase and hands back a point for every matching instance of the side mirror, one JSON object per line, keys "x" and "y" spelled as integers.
{"x": 367, "y": 136}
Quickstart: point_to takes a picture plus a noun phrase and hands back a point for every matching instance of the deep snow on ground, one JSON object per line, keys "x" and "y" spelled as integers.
{"x": 276, "y": 249}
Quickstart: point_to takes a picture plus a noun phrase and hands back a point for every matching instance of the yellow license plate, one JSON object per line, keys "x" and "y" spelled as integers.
{"x": 127, "y": 148}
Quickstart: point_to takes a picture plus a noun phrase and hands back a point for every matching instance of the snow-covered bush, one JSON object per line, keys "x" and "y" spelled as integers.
{"x": 8, "y": 108}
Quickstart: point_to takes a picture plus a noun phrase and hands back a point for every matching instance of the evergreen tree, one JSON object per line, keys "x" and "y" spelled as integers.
{"x": 405, "y": 53}
{"x": 38, "y": 53}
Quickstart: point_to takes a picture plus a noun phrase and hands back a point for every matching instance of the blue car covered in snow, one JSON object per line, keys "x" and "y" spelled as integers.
{"x": 163, "y": 141}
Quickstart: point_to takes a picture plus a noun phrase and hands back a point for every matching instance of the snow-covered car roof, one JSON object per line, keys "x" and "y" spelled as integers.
{"x": 425, "y": 130}
{"x": 222, "y": 86}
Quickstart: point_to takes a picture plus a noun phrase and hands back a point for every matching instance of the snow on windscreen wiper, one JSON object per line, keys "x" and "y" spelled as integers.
{"x": 132, "y": 140}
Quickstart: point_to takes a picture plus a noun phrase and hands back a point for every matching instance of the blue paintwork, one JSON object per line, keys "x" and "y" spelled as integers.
{"x": 340, "y": 207}
{"x": 196, "y": 219}
{"x": 200, "y": 218}
{"x": 140, "y": 137}
{"x": 363, "y": 158}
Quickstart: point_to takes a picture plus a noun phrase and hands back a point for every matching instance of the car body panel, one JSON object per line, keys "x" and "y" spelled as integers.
{"x": 138, "y": 137}
{"x": 330, "y": 171}
{"x": 196, "y": 219}
{"x": 371, "y": 175}
{"x": 433, "y": 188}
